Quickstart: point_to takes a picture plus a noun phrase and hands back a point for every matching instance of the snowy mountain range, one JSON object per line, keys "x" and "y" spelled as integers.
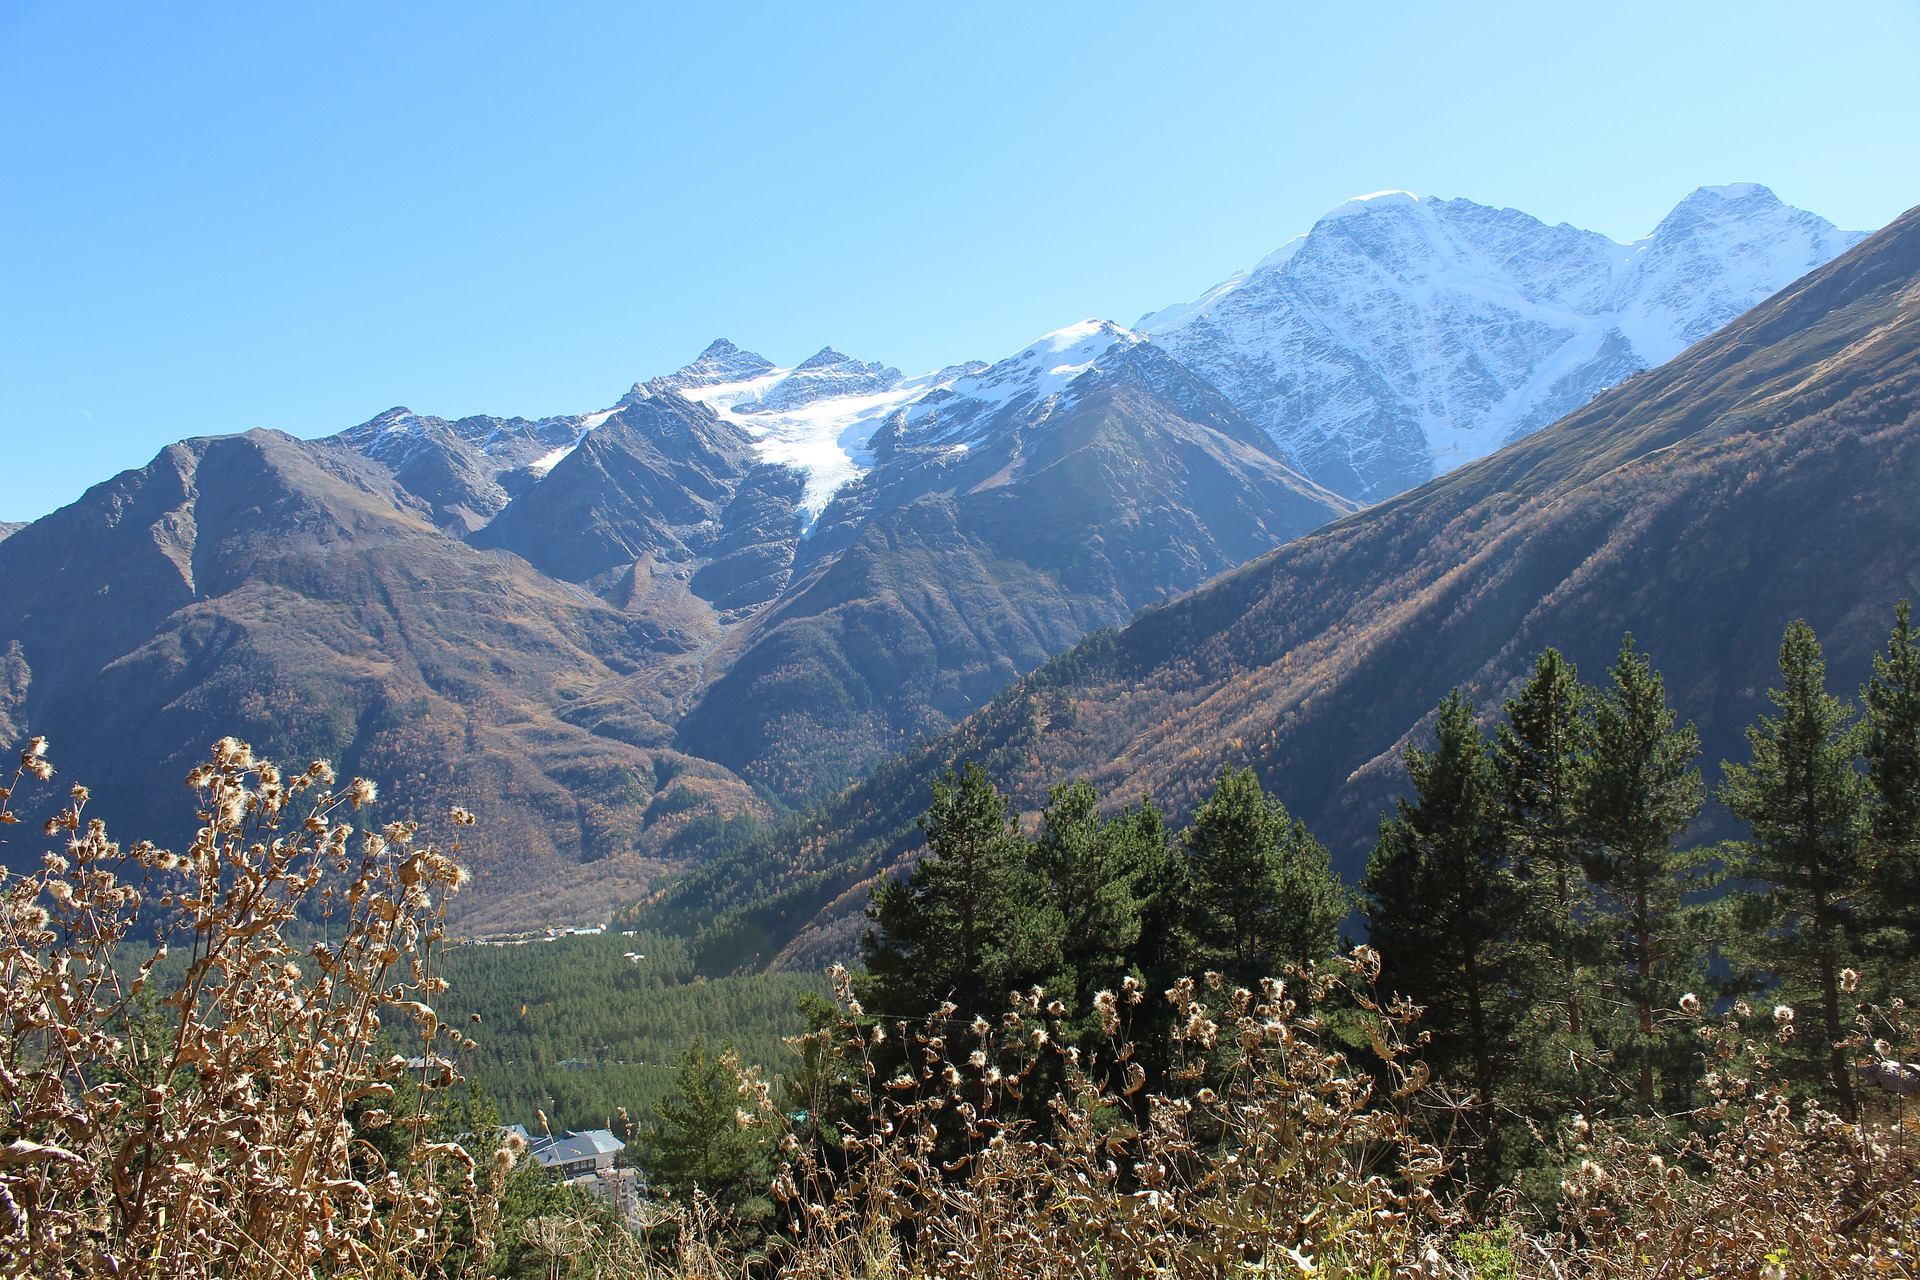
{"x": 1405, "y": 335}
{"x": 1398, "y": 338}
{"x": 743, "y": 585}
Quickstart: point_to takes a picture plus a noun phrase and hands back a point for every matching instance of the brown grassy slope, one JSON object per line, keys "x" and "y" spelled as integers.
{"x": 289, "y": 593}
{"x": 1765, "y": 474}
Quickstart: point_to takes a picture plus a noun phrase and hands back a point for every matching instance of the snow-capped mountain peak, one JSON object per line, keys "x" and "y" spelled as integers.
{"x": 1404, "y": 335}
{"x": 817, "y": 415}
{"x": 1374, "y": 202}
{"x": 1720, "y": 251}
{"x": 1400, "y": 336}
{"x": 1046, "y": 366}
{"x": 826, "y": 374}
{"x": 720, "y": 363}
{"x": 1034, "y": 381}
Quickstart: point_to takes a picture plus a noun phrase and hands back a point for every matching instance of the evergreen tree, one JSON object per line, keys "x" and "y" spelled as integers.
{"x": 1892, "y": 698}
{"x": 1163, "y": 886}
{"x": 1443, "y": 906}
{"x": 1805, "y": 804}
{"x": 971, "y": 923}
{"x": 1264, "y": 895}
{"x": 1539, "y": 757}
{"x": 719, "y": 1136}
{"x": 1106, "y": 878}
{"x": 1640, "y": 791}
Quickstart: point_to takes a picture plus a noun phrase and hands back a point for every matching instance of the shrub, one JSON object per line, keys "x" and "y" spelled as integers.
{"x": 245, "y": 1123}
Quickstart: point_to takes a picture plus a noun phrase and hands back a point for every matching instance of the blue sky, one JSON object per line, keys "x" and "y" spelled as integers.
{"x": 217, "y": 217}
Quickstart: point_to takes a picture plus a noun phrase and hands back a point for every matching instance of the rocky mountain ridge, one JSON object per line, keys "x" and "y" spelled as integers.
{"x": 1763, "y": 475}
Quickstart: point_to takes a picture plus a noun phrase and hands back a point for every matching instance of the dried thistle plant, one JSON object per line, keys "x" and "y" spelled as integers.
{"x": 1269, "y": 1151}
{"x": 1757, "y": 1182}
{"x": 242, "y": 1127}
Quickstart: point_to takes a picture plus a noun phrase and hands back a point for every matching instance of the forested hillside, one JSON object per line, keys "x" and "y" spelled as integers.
{"x": 1536, "y": 895}
{"x": 582, "y": 1026}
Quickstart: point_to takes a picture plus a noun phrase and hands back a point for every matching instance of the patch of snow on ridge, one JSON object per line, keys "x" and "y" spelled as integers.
{"x": 821, "y": 415}
{"x": 1039, "y": 371}
{"x": 547, "y": 461}
{"x": 399, "y": 435}
{"x": 1370, "y": 203}
{"x": 794, "y": 416}
{"x": 587, "y": 422}
{"x": 1738, "y": 190}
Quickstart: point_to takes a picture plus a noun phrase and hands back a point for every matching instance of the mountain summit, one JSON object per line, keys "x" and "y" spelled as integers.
{"x": 1701, "y": 506}
{"x": 1404, "y": 335}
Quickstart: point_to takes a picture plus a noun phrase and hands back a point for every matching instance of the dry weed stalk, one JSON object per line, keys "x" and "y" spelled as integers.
{"x": 247, "y": 1124}
{"x": 1268, "y": 1152}
{"x": 235, "y": 1126}
{"x": 1758, "y": 1182}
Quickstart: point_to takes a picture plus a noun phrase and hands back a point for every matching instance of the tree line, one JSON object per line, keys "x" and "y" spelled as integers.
{"x": 1535, "y": 892}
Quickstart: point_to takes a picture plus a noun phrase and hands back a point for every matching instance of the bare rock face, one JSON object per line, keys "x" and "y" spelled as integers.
{"x": 293, "y": 594}
{"x": 655, "y": 477}
{"x": 955, "y": 565}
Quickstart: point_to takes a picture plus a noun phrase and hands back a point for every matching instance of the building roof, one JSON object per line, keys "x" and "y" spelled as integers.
{"x": 570, "y": 1147}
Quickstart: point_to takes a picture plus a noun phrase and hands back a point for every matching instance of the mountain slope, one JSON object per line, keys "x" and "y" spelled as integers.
{"x": 989, "y": 535}
{"x": 743, "y": 584}
{"x": 1764, "y": 475}
{"x": 659, "y": 477}
{"x": 293, "y": 594}
{"x": 1403, "y": 336}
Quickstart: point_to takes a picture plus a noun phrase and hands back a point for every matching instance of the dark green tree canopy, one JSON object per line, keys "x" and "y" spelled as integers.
{"x": 1892, "y": 699}
{"x": 1805, "y": 805}
{"x": 971, "y": 923}
{"x": 1443, "y": 906}
{"x": 1264, "y": 895}
{"x": 715, "y": 1136}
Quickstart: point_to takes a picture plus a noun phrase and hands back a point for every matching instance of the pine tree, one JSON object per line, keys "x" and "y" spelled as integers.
{"x": 1264, "y": 895}
{"x": 1104, "y": 877}
{"x": 1443, "y": 906}
{"x": 1162, "y": 953}
{"x": 1640, "y": 791}
{"x": 719, "y": 1136}
{"x": 1539, "y": 757}
{"x": 970, "y": 923}
{"x": 1805, "y": 805}
{"x": 1892, "y": 698}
